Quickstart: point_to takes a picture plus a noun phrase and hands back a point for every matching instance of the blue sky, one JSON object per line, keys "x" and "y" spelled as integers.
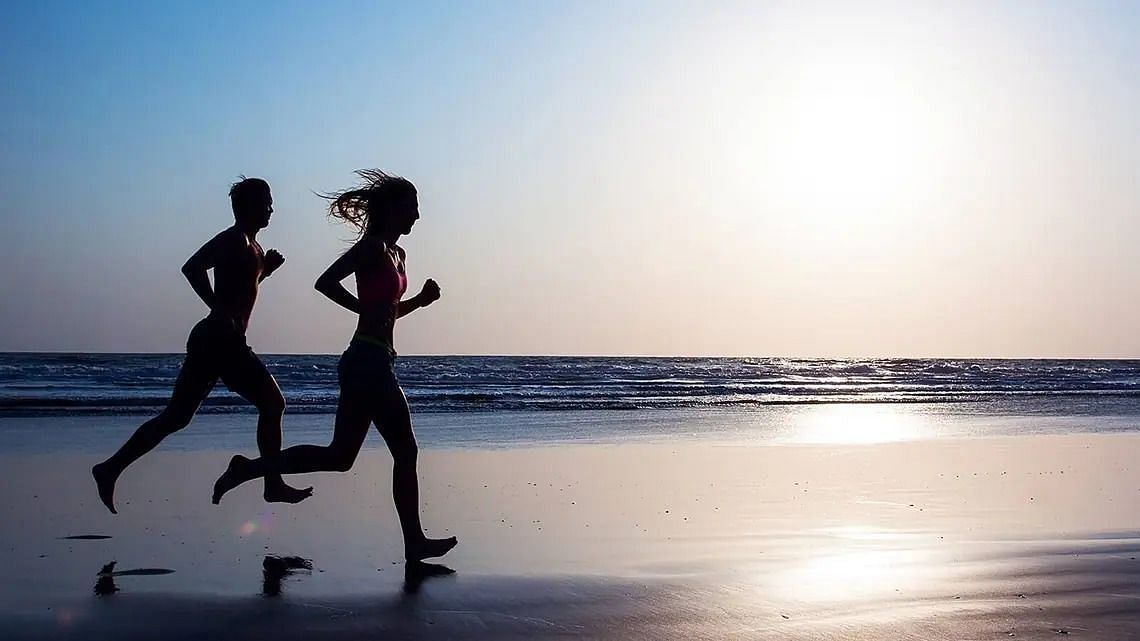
{"x": 616, "y": 178}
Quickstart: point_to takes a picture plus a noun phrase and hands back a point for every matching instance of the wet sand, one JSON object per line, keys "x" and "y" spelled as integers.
{"x": 1025, "y": 537}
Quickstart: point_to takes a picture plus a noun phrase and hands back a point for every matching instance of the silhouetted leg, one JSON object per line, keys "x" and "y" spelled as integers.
{"x": 395, "y": 424}
{"x": 246, "y": 375}
{"x": 193, "y": 385}
{"x": 353, "y": 418}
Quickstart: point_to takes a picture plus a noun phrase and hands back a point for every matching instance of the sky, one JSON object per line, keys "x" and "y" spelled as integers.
{"x": 840, "y": 179}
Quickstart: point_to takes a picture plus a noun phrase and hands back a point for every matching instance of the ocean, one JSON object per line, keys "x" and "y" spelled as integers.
{"x": 494, "y": 400}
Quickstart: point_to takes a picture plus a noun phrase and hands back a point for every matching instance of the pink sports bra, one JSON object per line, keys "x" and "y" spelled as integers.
{"x": 385, "y": 284}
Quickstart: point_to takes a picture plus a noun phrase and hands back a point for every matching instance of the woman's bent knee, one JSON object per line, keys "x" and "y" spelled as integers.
{"x": 341, "y": 460}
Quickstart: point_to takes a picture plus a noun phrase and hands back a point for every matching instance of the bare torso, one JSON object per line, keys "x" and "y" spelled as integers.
{"x": 237, "y": 275}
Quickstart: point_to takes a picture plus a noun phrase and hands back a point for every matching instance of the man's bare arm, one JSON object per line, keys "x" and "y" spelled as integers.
{"x": 198, "y": 264}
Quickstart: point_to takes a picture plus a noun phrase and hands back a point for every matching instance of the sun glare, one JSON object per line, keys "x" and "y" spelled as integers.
{"x": 856, "y": 140}
{"x": 851, "y": 575}
{"x": 860, "y": 563}
{"x": 848, "y": 135}
{"x": 857, "y": 424}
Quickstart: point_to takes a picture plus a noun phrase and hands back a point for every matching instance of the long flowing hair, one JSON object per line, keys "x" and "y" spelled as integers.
{"x": 361, "y": 207}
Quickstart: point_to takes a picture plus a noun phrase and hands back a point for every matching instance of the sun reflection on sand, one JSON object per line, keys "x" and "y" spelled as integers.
{"x": 855, "y": 424}
{"x": 850, "y": 575}
{"x": 862, "y": 563}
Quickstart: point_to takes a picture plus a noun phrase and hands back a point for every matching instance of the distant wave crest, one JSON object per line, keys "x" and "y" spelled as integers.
{"x": 69, "y": 384}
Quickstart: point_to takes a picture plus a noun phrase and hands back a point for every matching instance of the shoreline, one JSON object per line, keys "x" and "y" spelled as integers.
{"x": 836, "y": 424}
{"x": 941, "y": 539}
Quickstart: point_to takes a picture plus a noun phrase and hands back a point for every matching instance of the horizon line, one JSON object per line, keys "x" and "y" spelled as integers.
{"x": 616, "y": 356}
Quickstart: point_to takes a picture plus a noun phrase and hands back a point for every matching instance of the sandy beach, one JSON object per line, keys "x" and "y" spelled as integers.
{"x": 697, "y": 321}
{"x": 1031, "y": 537}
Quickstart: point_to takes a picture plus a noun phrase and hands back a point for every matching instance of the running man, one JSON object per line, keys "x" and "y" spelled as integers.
{"x": 217, "y": 347}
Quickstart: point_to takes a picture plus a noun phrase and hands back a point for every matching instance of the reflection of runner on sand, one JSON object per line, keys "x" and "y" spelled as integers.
{"x": 275, "y": 569}
{"x": 217, "y": 348}
{"x": 417, "y": 572}
{"x": 383, "y": 209}
{"x": 105, "y": 584}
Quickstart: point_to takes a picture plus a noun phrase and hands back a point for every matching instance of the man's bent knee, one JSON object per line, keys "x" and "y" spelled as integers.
{"x": 172, "y": 420}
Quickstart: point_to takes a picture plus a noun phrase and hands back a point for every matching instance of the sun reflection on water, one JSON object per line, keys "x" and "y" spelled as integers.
{"x": 854, "y": 424}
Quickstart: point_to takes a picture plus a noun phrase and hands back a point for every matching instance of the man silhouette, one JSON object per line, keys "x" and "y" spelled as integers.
{"x": 216, "y": 348}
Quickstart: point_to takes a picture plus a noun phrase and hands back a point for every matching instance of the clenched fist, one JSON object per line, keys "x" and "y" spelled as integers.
{"x": 430, "y": 293}
{"x": 273, "y": 260}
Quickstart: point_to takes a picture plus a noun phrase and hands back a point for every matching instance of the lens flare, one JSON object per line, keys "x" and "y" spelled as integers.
{"x": 262, "y": 523}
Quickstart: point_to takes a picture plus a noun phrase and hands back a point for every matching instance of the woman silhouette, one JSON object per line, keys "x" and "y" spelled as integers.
{"x": 384, "y": 208}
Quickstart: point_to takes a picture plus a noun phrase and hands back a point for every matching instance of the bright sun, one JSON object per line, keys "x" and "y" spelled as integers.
{"x": 854, "y": 142}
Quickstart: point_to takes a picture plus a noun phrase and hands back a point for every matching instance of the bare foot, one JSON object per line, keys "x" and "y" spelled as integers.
{"x": 280, "y": 492}
{"x": 428, "y": 548}
{"x": 231, "y": 478}
{"x": 105, "y": 481}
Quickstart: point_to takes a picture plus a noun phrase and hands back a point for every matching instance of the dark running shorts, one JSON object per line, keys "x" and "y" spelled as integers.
{"x": 369, "y": 368}
{"x": 215, "y": 350}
